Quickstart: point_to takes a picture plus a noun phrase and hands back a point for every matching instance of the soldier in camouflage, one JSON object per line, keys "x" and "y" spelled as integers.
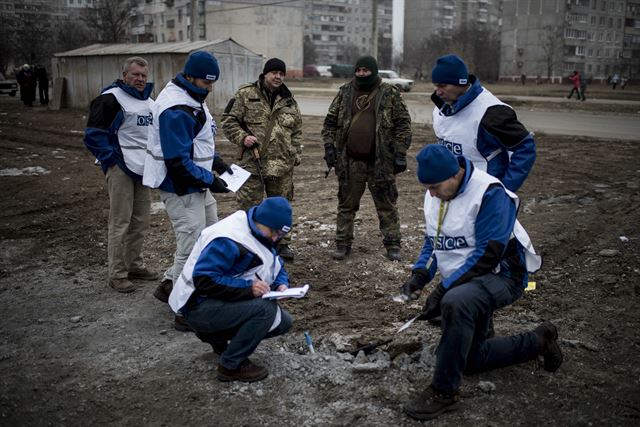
{"x": 264, "y": 121}
{"x": 366, "y": 135}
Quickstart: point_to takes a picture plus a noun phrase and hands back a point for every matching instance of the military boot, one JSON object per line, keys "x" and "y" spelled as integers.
{"x": 393, "y": 253}
{"x": 341, "y": 252}
{"x": 163, "y": 290}
{"x": 549, "y": 349}
{"x": 285, "y": 252}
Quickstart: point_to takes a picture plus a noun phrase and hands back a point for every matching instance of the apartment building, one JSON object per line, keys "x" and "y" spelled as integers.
{"x": 552, "y": 38}
{"x": 342, "y": 30}
{"x": 423, "y": 19}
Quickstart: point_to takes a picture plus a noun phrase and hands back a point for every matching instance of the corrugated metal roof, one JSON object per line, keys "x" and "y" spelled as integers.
{"x": 100, "y": 49}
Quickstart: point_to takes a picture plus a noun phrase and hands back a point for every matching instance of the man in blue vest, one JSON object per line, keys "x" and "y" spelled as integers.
{"x": 470, "y": 121}
{"x": 116, "y": 134}
{"x": 181, "y": 159}
{"x": 232, "y": 265}
{"x": 484, "y": 256}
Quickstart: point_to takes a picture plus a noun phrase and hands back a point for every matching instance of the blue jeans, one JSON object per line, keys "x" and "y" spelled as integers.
{"x": 245, "y": 323}
{"x": 466, "y": 312}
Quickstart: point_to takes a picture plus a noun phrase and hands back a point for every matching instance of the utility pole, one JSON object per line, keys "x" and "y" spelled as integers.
{"x": 194, "y": 20}
{"x": 374, "y": 29}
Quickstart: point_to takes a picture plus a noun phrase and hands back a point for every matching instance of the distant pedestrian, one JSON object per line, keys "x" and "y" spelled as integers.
{"x": 523, "y": 79}
{"x": 43, "y": 84}
{"x": 27, "y": 81}
{"x": 583, "y": 87}
{"x": 615, "y": 80}
{"x": 575, "y": 80}
{"x": 623, "y": 82}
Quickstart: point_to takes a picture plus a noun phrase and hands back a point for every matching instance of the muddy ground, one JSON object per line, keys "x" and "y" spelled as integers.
{"x": 74, "y": 352}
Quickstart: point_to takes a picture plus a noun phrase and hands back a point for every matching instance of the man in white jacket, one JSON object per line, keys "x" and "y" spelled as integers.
{"x": 116, "y": 134}
{"x": 232, "y": 265}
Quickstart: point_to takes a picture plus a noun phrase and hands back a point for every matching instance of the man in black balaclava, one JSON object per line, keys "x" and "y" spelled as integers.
{"x": 366, "y": 135}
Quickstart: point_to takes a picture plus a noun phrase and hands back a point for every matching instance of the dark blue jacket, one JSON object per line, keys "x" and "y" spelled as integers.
{"x": 105, "y": 118}
{"x": 214, "y": 275}
{"x": 494, "y": 224}
{"x": 499, "y": 128}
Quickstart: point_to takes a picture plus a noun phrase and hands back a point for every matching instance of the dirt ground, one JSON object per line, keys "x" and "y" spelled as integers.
{"x": 74, "y": 352}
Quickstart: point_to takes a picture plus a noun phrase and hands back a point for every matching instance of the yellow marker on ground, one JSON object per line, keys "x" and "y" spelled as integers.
{"x": 531, "y": 286}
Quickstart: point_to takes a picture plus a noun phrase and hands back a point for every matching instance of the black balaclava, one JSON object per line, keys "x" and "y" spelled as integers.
{"x": 370, "y": 63}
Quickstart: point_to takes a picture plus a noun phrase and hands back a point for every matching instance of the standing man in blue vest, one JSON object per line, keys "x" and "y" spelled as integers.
{"x": 116, "y": 134}
{"x": 181, "y": 159}
{"x": 484, "y": 256}
{"x": 232, "y": 265}
{"x": 470, "y": 121}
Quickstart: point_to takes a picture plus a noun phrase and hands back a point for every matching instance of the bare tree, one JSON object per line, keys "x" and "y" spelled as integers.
{"x": 309, "y": 54}
{"x": 350, "y": 53}
{"x": 551, "y": 43}
{"x": 109, "y": 18}
{"x": 478, "y": 46}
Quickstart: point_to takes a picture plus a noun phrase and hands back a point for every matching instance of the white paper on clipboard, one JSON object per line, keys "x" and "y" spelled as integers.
{"x": 239, "y": 177}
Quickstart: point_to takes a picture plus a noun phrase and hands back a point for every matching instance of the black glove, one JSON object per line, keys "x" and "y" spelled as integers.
{"x": 220, "y": 166}
{"x": 330, "y": 155}
{"x": 218, "y": 186}
{"x": 414, "y": 284}
{"x": 432, "y": 306}
{"x": 399, "y": 164}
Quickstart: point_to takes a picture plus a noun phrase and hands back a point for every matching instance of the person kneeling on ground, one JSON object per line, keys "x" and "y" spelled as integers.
{"x": 484, "y": 256}
{"x": 232, "y": 265}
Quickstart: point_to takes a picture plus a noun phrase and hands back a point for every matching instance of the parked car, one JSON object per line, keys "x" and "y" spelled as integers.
{"x": 9, "y": 87}
{"x": 342, "y": 70}
{"x": 310, "y": 70}
{"x": 324, "y": 70}
{"x": 392, "y": 77}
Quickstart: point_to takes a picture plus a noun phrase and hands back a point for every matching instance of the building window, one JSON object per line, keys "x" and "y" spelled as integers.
{"x": 590, "y": 52}
{"x": 593, "y": 20}
{"x": 602, "y": 21}
{"x": 580, "y": 50}
{"x": 589, "y": 67}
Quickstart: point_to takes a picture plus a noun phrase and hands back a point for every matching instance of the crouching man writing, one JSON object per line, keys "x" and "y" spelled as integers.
{"x": 233, "y": 263}
{"x": 484, "y": 256}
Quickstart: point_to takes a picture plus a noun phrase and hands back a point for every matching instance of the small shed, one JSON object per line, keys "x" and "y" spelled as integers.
{"x": 89, "y": 69}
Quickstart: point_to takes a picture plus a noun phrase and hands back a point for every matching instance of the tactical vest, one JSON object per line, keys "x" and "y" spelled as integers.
{"x": 134, "y": 130}
{"x": 155, "y": 169}
{"x": 459, "y": 132}
{"x": 456, "y": 241}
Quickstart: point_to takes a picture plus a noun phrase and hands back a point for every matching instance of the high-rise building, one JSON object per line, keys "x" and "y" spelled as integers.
{"x": 342, "y": 30}
{"x": 552, "y": 38}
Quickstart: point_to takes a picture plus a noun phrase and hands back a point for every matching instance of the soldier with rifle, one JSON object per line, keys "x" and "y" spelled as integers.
{"x": 264, "y": 121}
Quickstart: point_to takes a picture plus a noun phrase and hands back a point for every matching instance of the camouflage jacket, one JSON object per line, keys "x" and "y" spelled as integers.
{"x": 249, "y": 113}
{"x": 393, "y": 127}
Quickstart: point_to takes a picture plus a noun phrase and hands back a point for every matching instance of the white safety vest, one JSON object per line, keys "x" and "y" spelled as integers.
{"x": 456, "y": 240}
{"x": 204, "y": 147}
{"x": 459, "y": 133}
{"x": 134, "y": 130}
{"x": 234, "y": 227}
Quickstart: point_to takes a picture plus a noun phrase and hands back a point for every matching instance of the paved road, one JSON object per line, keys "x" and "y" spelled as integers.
{"x": 549, "y": 122}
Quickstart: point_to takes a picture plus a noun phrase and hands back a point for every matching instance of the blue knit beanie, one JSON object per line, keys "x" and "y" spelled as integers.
{"x": 202, "y": 65}
{"x": 436, "y": 164}
{"x": 450, "y": 69}
{"x": 275, "y": 213}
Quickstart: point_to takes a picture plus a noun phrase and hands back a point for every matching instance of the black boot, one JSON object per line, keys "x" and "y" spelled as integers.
{"x": 285, "y": 252}
{"x": 549, "y": 349}
{"x": 341, "y": 252}
{"x": 393, "y": 253}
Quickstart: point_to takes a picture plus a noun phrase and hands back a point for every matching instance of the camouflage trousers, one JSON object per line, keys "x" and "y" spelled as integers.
{"x": 252, "y": 193}
{"x": 352, "y": 181}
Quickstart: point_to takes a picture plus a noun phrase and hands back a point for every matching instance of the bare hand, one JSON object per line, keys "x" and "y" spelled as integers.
{"x": 259, "y": 288}
{"x": 249, "y": 141}
{"x": 282, "y": 288}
